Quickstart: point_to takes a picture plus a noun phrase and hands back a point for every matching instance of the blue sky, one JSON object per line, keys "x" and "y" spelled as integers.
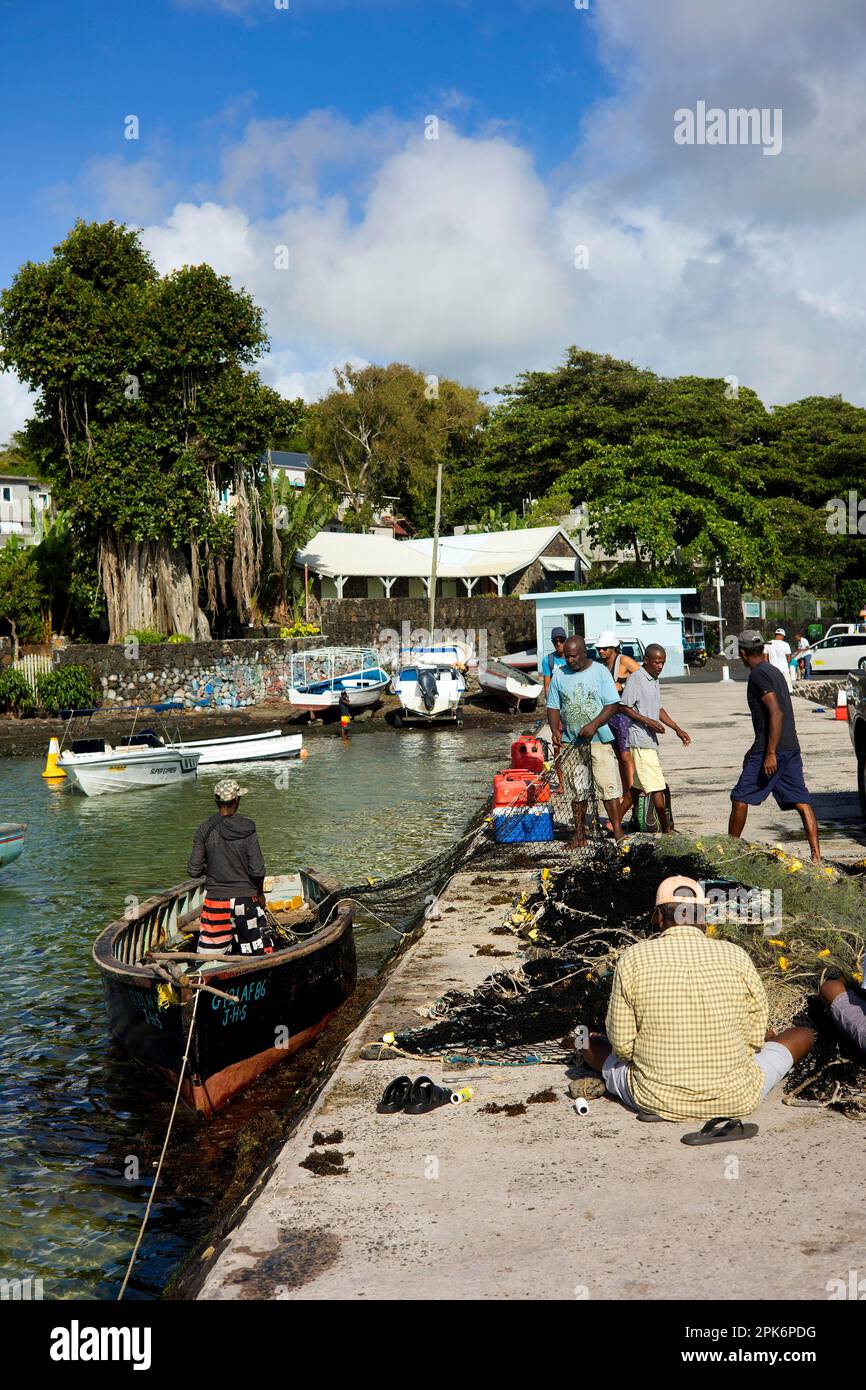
{"x": 263, "y": 128}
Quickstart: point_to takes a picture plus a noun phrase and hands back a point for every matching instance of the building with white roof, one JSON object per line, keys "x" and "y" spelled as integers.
{"x": 345, "y": 565}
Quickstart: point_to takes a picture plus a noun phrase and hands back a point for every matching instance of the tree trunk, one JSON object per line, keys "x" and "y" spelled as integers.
{"x": 147, "y": 584}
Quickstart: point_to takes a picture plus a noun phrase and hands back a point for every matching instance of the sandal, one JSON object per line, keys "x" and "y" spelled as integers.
{"x": 426, "y": 1095}
{"x": 712, "y": 1134}
{"x": 395, "y": 1096}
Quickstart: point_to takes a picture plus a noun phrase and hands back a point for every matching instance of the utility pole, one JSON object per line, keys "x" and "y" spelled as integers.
{"x": 726, "y": 673}
{"x": 434, "y": 561}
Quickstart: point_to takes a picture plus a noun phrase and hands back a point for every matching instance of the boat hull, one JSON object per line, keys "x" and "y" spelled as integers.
{"x": 12, "y": 839}
{"x": 123, "y": 769}
{"x": 450, "y": 689}
{"x": 283, "y": 1001}
{"x": 510, "y": 689}
{"x": 253, "y": 748}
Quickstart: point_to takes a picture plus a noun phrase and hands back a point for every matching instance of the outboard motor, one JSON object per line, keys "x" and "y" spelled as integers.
{"x": 427, "y": 686}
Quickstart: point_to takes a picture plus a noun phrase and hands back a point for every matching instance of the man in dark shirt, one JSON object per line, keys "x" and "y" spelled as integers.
{"x": 226, "y": 850}
{"x": 773, "y": 763}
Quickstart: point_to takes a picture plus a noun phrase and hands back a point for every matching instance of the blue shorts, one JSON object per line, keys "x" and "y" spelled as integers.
{"x": 786, "y": 783}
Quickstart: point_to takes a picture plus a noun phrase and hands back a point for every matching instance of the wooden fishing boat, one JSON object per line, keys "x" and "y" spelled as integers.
{"x": 276, "y": 1003}
{"x": 12, "y": 836}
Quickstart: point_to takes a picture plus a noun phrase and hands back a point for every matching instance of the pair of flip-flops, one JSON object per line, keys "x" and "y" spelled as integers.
{"x": 412, "y": 1097}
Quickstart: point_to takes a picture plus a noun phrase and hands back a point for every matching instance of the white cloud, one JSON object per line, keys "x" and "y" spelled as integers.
{"x": 16, "y": 404}
{"x": 457, "y": 256}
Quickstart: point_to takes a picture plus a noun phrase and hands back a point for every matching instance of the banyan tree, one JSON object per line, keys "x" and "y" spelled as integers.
{"x": 150, "y": 425}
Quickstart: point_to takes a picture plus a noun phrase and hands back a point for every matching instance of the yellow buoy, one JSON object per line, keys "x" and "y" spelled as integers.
{"x": 51, "y": 768}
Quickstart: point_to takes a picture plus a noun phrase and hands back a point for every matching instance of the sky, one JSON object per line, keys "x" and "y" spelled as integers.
{"x": 468, "y": 186}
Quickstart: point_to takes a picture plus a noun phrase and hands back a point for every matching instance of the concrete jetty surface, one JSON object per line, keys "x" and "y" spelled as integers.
{"x": 549, "y": 1204}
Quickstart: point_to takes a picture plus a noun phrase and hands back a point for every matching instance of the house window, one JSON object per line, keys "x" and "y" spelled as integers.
{"x": 43, "y": 500}
{"x": 7, "y": 494}
{"x": 649, "y": 615}
{"x": 622, "y": 615}
{"x": 672, "y": 616}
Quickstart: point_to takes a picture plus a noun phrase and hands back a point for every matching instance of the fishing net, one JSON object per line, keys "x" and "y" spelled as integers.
{"x": 794, "y": 921}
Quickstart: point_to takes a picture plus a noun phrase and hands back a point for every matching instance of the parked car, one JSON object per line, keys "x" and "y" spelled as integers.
{"x": 839, "y": 654}
{"x": 856, "y": 691}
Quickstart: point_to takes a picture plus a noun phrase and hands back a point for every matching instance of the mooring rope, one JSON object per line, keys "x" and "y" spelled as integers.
{"x": 156, "y": 1177}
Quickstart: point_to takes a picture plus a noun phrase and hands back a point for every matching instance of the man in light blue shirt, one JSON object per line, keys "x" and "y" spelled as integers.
{"x": 580, "y": 699}
{"x": 554, "y": 658}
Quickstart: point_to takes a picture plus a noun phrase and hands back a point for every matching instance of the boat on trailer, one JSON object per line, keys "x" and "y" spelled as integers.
{"x": 276, "y": 1004}
{"x": 429, "y": 693}
{"x": 508, "y": 684}
{"x": 12, "y": 837}
{"x": 332, "y": 678}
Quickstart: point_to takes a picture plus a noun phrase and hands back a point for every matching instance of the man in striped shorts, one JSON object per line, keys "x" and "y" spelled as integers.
{"x": 226, "y": 851}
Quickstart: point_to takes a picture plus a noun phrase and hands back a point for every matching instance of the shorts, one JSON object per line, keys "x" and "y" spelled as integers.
{"x": 232, "y": 926}
{"x": 620, "y": 727}
{"x": 848, "y": 1012}
{"x": 786, "y": 784}
{"x": 774, "y": 1059}
{"x": 648, "y": 775}
{"x": 604, "y": 775}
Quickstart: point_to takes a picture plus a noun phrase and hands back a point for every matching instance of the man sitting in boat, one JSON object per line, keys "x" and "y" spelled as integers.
{"x": 226, "y": 850}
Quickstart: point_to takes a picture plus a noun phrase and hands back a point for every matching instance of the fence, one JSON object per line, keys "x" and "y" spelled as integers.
{"x": 33, "y": 666}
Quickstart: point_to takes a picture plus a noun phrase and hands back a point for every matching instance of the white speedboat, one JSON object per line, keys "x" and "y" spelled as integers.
{"x": 239, "y": 748}
{"x": 95, "y": 767}
{"x": 12, "y": 836}
{"x": 510, "y": 686}
{"x": 429, "y": 692}
{"x": 442, "y": 654}
{"x": 331, "y": 678}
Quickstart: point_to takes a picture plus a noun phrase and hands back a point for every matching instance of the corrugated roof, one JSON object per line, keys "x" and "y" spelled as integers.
{"x": 488, "y": 553}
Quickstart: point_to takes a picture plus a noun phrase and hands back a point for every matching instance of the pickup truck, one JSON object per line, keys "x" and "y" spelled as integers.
{"x": 856, "y": 691}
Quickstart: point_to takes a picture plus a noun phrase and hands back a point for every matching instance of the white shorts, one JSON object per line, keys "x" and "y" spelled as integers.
{"x": 774, "y": 1059}
{"x": 600, "y": 770}
{"x": 648, "y": 775}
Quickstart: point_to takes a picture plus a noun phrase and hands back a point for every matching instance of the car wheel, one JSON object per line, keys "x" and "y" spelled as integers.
{"x": 861, "y": 664}
{"x": 861, "y": 782}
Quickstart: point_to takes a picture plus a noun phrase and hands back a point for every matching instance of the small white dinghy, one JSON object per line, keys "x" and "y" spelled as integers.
{"x": 238, "y": 748}
{"x": 427, "y": 693}
{"x": 95, "y": 767}
{"x": 510, "y": 686}
{"x": 12, "y": 837}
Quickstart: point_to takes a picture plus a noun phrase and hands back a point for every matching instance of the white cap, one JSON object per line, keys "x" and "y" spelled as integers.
{"x": 606, "y": 639}
{"x": 780, "y": 632}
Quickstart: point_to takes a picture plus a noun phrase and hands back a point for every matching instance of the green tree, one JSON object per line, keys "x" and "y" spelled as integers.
{"x": 296, "y": 515}
{"x": 21, "y": 595}
{"x": 382, "y": 431}
{"x": 147, "y": 416}
{"x": 680, "y": 506}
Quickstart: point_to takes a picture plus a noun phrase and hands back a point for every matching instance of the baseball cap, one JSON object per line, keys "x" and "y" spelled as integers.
{"x": 677, "y": 888}
{"x": 227, "y": 789}
{"x": 606, "y": 639}
{"x": 751, "y": 639}
{"x": 780, "y": 632}
{"x": 557, "y": 632}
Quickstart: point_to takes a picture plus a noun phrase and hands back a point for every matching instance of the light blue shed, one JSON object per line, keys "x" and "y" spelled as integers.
{"x": 651, "y": 615}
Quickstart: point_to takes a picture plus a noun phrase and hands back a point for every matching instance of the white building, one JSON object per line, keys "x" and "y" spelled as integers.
{"x": 25, "y": 503}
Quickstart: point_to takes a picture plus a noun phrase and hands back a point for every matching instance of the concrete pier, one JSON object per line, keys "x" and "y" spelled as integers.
{"x": 548, "y": 1204}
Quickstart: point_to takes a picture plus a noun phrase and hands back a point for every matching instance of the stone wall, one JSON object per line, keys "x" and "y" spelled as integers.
{"x": 232, "y": 674}
{"x": 506, "y": 621}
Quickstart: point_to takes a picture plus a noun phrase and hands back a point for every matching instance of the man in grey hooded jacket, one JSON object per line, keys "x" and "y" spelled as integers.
{"x": 226, "y": 851}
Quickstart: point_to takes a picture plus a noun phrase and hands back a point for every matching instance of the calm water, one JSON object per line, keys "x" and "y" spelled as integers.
{"x": 73, "y": 1110}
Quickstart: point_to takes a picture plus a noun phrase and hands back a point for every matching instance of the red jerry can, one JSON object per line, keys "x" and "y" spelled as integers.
{"x": 528, "y": 753}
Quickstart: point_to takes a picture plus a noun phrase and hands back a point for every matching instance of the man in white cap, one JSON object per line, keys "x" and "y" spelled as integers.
{"x": 607, "y": 644}
{"x": 226, "y": 851}
{"x": 687, "y": 1021}
{"x": 778, "y": 654}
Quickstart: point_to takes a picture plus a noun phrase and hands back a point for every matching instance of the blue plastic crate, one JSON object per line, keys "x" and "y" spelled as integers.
{"x": 518, "y": 825}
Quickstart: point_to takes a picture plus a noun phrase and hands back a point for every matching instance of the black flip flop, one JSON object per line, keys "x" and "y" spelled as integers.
{"x": 395, "y": 1095}
{"x": 712, "y": 1134}
{"x": 426, "y": 1095}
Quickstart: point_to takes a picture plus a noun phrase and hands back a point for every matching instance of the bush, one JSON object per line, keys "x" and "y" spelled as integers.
{"x": 300, "y": 629}
{"x": 145, "y": 636}
{"x": 69, "y": 687}
{"x": 16, "y": 696}
{"x": 179, "y": 637}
